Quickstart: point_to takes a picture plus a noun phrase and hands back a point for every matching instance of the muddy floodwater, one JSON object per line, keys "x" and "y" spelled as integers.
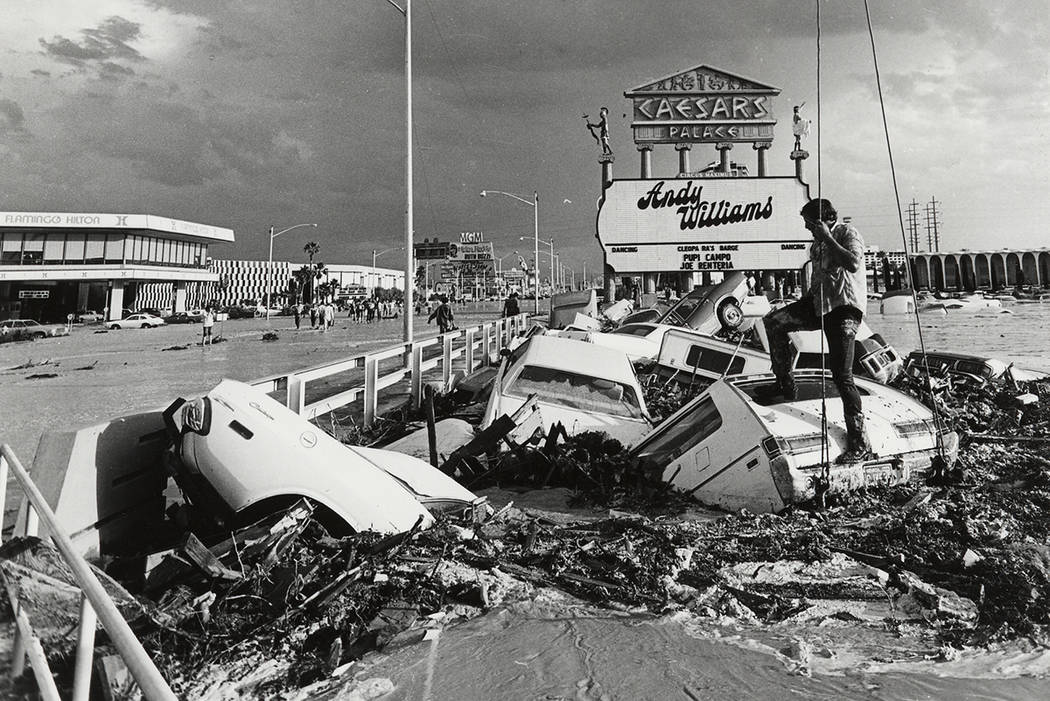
{"x": 554, "y": 647}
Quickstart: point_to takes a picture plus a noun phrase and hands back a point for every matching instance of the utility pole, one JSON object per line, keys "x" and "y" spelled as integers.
{"x": 913, "y": 226}
{"x": 932, "y": 233}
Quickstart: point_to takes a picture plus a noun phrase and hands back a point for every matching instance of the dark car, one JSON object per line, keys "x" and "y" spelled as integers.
{"x": 183, "y": 318}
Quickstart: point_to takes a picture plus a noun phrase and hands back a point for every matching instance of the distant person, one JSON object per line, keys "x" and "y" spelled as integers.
{"x": 297, "y": 313}
{"x": 510, "y": 306}
{"x": 443, "y": 313}
{"x": 208, "y": 323}
{"x": 835, "y": 301}
{"x": 313, "y": 316}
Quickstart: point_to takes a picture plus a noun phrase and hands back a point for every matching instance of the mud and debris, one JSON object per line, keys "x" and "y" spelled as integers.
{"x": 286, "y": 605}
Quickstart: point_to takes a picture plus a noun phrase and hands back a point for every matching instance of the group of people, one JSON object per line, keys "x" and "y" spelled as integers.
{"x": 321, "y": 315}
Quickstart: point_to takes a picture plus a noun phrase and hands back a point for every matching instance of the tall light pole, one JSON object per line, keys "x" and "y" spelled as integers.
{"x": 554, "y": 258}
{"x": 269, "y": 264}
{"x": 376, "y": 254}
{"x": 535, "y": 204}
{"x": 409, "y": 272}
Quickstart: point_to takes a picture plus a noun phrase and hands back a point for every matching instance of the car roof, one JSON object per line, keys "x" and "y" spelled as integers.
{"x": 576, "y": 356}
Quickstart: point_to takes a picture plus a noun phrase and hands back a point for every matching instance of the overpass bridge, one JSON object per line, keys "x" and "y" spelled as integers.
{"x": 967, "y": 270}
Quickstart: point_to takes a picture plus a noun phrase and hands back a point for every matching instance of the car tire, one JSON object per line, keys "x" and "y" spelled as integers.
{"x": 38, "y": 336}
{"x": 115, "y": 327}
{"x": 730, "y": 316}
{"x": 147, "y": 326}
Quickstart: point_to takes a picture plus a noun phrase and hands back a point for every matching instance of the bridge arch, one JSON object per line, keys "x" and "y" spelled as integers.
{"x": 1013, "y": 270}
{"x": 984, "y": 275}
{"x": 969, "y": 280}
{"x": 1030, "y": 269}
{"x": 936, "y": 273}
{"x": 920, "y": 273}
{"x": 998, "y": 271}
{"x": 951, "y": 273}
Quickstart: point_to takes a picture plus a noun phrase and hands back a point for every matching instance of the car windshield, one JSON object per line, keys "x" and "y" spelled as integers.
{"x": 635, "y": 330}
{"x": 576, "y": 391}
{"x": 691, "y": 427}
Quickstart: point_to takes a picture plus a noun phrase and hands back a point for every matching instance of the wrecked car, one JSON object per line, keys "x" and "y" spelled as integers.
{"x": 735, "y": 448}
{"x": 238, "y": 451}
{"x": 973, "y": 368}
{"x": 711, "y": 308}
{"x": 687, "y": 355}
{"x": 583, "y": 386}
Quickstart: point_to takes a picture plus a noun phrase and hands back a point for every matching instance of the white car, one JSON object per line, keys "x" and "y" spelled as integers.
{"x": 89, "y": 317}
{"x": 736, "y": 448}
{"x": 239, "y": 451}
{"x": 639, "y": 341}
{"x": 582, "y": 385}
{"x": 137, "y": 321}
{"x": 28, "y": 328}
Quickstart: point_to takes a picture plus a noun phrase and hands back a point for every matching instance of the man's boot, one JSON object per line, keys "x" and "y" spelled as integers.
{"x": 857, "y": 447}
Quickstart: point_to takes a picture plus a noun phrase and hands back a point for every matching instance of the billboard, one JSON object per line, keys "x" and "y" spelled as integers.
{"x": 702, "y": 105}
{"x": 702, "y": 224}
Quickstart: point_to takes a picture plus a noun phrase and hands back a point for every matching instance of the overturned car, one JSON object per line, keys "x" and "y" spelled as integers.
{"x": 731, "y": 447}
{"x": 238, "y": 452}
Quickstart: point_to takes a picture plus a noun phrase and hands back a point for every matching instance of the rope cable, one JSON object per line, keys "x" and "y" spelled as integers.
{"x": 825, "y": 453}
{"x": 900, "y": 219}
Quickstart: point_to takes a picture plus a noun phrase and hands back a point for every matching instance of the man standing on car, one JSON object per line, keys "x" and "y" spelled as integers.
{"x": 837, "y": 295}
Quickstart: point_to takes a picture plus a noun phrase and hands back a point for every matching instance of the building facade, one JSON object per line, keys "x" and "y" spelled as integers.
{"x": 53, "y": 264}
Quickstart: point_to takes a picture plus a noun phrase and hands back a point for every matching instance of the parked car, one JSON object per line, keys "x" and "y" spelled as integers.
{"x": 137, "y": 321}
{"x": 193, "y": 316}
{"x": 28, "y": 328}
{"x": 238, "y": 452}
{"x": 89, "y": 317}
{"x": 736, "y": 448}
{"x": 584, "y": 386}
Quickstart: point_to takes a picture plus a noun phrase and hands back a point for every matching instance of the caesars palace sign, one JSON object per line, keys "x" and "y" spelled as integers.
{"x": 708, "y": 224}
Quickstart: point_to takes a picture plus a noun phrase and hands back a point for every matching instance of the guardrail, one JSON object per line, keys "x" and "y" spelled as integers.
{"x": 373, "y": 372}
{"x": 95, "y": 606}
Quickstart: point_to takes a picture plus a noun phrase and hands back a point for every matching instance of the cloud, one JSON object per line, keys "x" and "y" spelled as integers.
{"x": 107, "y": 42}
{"x": 12, "y": 119}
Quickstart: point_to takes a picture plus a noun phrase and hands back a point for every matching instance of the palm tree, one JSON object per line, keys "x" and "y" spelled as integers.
{"x": 312, "y": 248}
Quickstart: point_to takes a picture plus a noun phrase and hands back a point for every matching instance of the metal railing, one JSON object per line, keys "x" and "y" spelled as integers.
{"x": 95, "y": 606}
{"x": 465, "y": 347}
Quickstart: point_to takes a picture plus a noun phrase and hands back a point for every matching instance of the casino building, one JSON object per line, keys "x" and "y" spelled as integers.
{"x": 54, "y": 263}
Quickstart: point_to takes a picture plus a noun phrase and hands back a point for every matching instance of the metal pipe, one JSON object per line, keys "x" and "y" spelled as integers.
{"x": 139, "y": 663}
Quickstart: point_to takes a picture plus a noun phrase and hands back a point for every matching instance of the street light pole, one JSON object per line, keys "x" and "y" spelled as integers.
{"x": 409, "y": 272}
{"x": 269, "y": 264}
{"x": 535, "y": 204}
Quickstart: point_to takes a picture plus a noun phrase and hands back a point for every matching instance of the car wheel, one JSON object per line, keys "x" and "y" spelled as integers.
{"x": 38, "y": 336}
{"x": 147, "y": 326}
{"x": 115, "y": 327}
{"x": 730, "y": 316}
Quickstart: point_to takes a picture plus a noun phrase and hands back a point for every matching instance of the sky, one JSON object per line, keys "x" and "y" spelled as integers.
{"x": 249, "y": 114}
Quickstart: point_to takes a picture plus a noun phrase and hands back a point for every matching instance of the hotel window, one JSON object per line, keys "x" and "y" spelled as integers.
{"x": 53, "y": 249}
{"x": 95, "y": 249}
{"x": 33, "y": 249}
{"x": 115, "y": 248}
{"x": 184, "y": 253}
{"x": 74, "y": 248}
{"x": 149, "y": 249}
{"x": 11, "y": 249}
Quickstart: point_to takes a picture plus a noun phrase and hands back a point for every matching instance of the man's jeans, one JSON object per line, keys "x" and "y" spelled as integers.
{"x": 840, "y": 327}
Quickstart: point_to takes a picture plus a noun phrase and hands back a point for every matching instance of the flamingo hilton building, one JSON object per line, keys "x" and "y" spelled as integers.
{"x": 55, "y": 263}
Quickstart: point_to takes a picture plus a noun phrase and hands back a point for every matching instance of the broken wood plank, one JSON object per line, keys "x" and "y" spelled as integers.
{"x": 195, "y": 551}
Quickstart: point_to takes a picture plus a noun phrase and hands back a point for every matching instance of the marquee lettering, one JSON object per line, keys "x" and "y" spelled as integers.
{"x": 697, "y": 213}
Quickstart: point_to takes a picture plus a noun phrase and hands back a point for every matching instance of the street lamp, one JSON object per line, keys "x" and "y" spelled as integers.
{"x": 269, "y": 265}
{"x": 553, "y": 257}
{"x": 376, "y": 254}
{"x": 535, "y": 204}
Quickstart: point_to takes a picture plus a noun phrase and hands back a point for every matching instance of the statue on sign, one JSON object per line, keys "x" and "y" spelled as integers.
{"x": 799, "y": 126}
{"x": 601, "y": 137}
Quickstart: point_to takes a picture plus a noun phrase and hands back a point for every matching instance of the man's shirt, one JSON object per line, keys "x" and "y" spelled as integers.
{"x": 832, "y": 285}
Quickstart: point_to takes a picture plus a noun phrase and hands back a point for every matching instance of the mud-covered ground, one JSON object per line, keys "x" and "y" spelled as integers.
{"x": 953, "y": 565}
